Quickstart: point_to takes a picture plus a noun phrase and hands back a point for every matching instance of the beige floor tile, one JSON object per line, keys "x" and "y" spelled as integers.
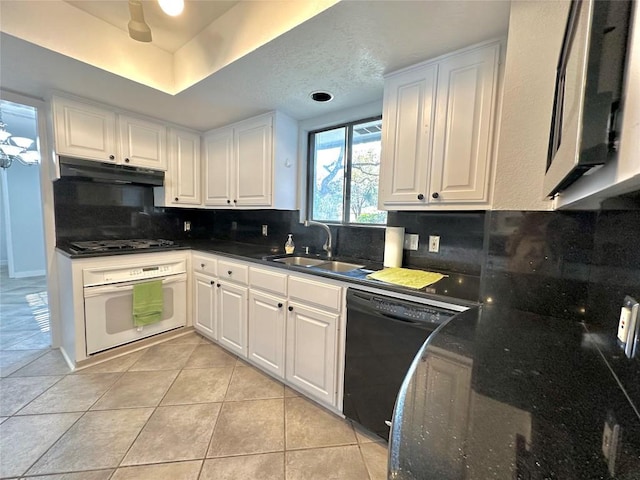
{"x": 13, "y": 360}
{"x": 74, "y": 393}
{"x": 334, "y": 463}
{"x": 24, "y": 439}
{"x": 309, "y": 425}
{"x": 137, "y": 389}
{"x": 267, "y": 466}
{"x": 119, "y": 364}
{"x": 163, "y": 357}
{"x": 208, "y": 356}
{"x": 51, "y": 363}
{"x": 174, "y": 433}
{"x": 16, "y": 392}
{"x": 290, "y": 392}
{"x": 375, "y": 459}
{"x": 255, "y": 426}
{"x": 200, "y": 385}
{"x": 92, "y": 475}
{"x": 191, "y": 338}
{"x": 250, "y": 384}
{"x": 98, "y": 440}
{"x": 3, "y": 419}
{"x": 162, "y": 471}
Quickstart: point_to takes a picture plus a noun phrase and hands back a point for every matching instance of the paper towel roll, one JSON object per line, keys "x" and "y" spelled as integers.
{"x": 393, "y": 243}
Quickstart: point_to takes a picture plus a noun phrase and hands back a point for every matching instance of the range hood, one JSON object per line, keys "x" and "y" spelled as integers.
{"x": 109, "y": 173}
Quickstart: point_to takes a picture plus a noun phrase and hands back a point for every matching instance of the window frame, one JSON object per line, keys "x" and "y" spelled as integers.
{"x": 346, "y": 190}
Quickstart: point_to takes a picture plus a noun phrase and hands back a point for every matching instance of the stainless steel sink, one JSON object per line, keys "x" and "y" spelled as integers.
{"x": 300, "y": 261}
{"x": 336, "y": 266}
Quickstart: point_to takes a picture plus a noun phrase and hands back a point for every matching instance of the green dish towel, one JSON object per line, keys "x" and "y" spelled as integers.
{"x": 147, "y": 303}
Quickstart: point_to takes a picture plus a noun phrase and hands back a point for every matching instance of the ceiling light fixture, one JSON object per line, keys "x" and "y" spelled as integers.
{"x": 321, "y": 96}
{"x": 172, "y": 7}
{"x": 15, "y": 148}
{"x": 138, "y": 28}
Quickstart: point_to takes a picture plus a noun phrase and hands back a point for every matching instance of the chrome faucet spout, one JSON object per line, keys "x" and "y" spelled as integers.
{"x": 327, "y": 245}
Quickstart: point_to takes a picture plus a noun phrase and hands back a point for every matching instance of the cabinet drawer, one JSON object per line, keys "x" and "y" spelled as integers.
{"x": 204, "y": 264}
{"x": 236, "y": 272}
{"x": 268, "y": 280}
{"x": 312, "y": 292}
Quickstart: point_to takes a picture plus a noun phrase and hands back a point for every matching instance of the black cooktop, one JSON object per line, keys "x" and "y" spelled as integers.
{"x": 100, "y": 246}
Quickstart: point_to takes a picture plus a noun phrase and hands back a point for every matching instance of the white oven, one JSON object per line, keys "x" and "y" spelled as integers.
{"x": 108, "y": 302}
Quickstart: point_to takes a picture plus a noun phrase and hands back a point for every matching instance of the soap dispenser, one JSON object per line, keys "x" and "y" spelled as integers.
{"x": 289, "y": 246}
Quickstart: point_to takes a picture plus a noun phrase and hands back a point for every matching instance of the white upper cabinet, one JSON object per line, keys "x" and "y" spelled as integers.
{"x": 438, "y": 124}
{"x": 94, "y": 132}
{"x": 218, "y": 159}
{"x": 84, "y": 131}
{"x": 252, "y": 164}
{"x": 142, "y": 143}
{"x": 182, "y": 179}
{"x": 408, "y": 117}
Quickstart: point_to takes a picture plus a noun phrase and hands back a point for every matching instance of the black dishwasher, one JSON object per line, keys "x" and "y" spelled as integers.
{"x": 383, "y": 336}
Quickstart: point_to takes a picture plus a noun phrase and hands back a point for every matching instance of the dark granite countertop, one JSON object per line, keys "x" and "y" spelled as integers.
{"x": 499, "y": 393}
{"x": 456, "y": 288}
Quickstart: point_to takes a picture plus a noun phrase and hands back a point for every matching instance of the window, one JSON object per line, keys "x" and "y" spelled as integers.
{"x": 344, "y": 169}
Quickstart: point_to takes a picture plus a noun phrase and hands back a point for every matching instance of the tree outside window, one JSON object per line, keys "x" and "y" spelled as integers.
{"x": 344, "y": 166}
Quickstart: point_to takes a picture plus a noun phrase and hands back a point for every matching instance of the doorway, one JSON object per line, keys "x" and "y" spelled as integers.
{"x": 25, "y": 327}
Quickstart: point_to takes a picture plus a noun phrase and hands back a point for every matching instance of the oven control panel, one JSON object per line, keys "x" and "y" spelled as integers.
{"x": 109, "y": 275}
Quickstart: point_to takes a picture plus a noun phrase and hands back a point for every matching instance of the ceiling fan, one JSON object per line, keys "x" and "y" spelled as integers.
{"x": 138, "y": 28}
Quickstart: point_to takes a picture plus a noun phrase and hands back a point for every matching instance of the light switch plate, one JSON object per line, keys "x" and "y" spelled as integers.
{"x": 411, "y": 241}
{"x": 434, "y": 243}
{"x": 265, "y": 230}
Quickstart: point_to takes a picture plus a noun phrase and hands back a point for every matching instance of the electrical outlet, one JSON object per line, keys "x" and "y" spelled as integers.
{"x": 411, "y": 241}
{"x": 265, "y": 230}
{"x": 187, "y": 226}
{"x": 434, "y": 243}
{"x": 611, "y": 442}
{"x": 234, "y": 225}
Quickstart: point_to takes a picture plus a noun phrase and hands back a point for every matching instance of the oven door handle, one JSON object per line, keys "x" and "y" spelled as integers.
{"x": 124, "y": 287}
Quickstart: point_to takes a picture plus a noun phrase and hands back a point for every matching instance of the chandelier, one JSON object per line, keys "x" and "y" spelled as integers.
{"x": 16, "y": 148}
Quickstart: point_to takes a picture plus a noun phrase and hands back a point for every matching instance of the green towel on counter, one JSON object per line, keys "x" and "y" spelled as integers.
{"x": 147, "y": 303}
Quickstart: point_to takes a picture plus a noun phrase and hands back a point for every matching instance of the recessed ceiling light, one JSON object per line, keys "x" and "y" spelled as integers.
{"x": 321, "y": 96}
{"x": 172, "y": 7}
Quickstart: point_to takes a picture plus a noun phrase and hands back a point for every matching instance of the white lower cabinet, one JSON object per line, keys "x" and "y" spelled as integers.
{"x": 267, "y": 315}
{"x": 232, "y": 317}
{"x": 311, "y": 351}
{"x": 204, "y": 313}
{"x": 286, "y": 325}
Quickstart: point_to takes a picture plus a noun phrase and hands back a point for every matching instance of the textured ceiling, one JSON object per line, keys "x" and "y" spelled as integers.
{"x": 346, "y": 49}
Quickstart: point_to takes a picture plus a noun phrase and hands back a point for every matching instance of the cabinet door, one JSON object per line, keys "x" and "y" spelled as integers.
{"x": 266, "y": 331}
{"x": 84, "y": 130}
{"x": 183, "y": 177}
{"x": 204, "y": 315}
{"x": 464, "y": 129}
{"x": 408, "y": 132}
{"x": 254, "y": 159}
{"x": 232, "y": 317}
{"x": 218, "y": 159}
{"x": 311, "y": 351}
{"x": 143, "y": 143}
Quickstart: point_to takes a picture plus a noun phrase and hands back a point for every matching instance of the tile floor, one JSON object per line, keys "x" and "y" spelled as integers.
{"x": 24, "y": 321}
{"x": 182, "y": 410}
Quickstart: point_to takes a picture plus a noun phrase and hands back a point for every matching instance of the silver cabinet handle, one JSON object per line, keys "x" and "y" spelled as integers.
{"x": 387, "y": 423}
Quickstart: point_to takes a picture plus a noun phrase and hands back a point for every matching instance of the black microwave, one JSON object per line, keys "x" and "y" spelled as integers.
{"x": 589, "y": 97}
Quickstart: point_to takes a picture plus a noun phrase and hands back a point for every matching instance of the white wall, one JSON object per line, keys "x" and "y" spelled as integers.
{"x": 536, "y": 29}
{"x": 21, "y": 204}
{"x": 3, "y": 228}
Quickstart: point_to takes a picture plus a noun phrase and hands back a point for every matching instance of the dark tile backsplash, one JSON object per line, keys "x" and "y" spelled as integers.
{"x": 461, "y": 239}
{"x": 574, "y": 265}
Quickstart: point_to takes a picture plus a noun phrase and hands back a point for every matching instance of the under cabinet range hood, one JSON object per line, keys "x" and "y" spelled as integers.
{"x": 109, "y": 173}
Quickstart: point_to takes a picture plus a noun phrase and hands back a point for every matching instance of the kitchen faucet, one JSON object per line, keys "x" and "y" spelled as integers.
{"x": 327, "y": 244}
